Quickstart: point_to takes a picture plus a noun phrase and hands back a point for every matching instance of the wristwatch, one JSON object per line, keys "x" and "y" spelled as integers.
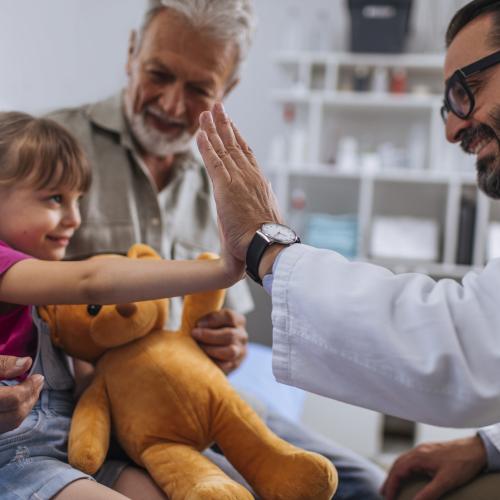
{"x": 268, "y": 234}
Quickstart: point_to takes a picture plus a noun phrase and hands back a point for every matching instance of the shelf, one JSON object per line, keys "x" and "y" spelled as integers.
{"x": 410, "y": 123}
{"x": 359, "y": 99}
{"x": 387, "y": 174}
{"x": 410, "y": 61}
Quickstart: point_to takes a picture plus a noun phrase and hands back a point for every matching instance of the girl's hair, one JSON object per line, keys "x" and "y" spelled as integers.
{"x": 40, "y": 152}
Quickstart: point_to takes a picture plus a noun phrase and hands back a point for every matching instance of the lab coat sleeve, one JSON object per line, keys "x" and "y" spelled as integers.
{"x": 491, "y": 439}
{"x": 403, "y": 344}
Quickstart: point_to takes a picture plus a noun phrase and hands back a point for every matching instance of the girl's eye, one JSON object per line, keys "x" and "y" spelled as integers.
{"x": 57, "y": 198}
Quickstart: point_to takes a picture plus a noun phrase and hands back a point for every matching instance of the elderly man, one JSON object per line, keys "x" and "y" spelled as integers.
{"x": 148, "y": 186}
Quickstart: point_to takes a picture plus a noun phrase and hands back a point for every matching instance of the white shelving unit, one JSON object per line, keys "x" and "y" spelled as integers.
{"x": 314, "y": 85}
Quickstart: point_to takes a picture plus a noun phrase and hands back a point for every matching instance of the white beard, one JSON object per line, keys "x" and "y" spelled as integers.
{"x": 152, "y": 140}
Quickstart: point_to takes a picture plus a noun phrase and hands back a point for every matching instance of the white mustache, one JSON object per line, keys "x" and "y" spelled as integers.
{"x": 167, "y": 120}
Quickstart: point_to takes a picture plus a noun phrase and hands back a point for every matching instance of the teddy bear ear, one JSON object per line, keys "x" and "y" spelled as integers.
{"x": 48, "y": 314}
{"x": 141, "y": 251}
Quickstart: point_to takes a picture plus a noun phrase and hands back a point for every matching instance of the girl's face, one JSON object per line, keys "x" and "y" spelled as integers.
{"x": 39, "y": 222}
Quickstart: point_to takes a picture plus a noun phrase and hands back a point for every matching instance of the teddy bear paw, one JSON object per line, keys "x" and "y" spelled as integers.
{"x": 219, "y": 489}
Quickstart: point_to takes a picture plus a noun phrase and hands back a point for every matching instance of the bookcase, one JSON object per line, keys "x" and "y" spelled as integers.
{"x": 362, "y": 136}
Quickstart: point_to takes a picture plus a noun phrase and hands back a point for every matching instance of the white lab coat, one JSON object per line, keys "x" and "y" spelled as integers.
{"x": 403, "y": 344}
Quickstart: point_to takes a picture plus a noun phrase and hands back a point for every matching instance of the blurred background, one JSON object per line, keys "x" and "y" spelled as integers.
{"x": 340, "y": 101}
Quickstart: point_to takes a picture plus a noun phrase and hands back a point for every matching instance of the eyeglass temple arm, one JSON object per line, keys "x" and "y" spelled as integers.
{"x": 481, "y": 65}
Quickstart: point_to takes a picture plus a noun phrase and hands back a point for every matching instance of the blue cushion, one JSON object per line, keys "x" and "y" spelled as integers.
{"x": 255, "y": 377}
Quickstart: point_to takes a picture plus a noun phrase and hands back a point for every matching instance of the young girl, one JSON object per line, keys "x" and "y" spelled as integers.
{"x": 43, "y": 174}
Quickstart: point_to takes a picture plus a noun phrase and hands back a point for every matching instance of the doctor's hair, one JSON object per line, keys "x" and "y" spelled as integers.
{"x": 472, "y": 11}
{"x": 227, "y": 20}
{"x": 40, "y": 153}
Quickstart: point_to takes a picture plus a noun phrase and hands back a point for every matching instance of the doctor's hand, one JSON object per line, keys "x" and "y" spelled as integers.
{"x": 17, "y": 401}
{"x": 243, "y": 195}
{"x": 449, "y": 465}
{"x": 223, "y": 337}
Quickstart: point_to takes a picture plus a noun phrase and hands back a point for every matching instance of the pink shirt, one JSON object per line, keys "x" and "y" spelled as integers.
{"x": 17, "y": 332}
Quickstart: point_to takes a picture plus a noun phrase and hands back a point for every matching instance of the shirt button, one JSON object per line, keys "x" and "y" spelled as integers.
{"x": 155, "y": 221}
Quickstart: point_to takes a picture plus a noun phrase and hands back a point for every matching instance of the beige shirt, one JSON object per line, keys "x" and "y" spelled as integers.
{"x": 123, "y": 206}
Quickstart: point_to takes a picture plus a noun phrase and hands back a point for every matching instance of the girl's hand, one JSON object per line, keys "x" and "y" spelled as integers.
{"x": 234, "y": 268}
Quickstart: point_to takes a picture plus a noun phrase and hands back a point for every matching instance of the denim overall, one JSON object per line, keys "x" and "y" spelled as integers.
{"x": 33, "y": 457}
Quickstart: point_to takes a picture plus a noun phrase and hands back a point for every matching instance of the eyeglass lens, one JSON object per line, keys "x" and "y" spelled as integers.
{"x": 444, "y": 113}
{"x": 458, "y": 99}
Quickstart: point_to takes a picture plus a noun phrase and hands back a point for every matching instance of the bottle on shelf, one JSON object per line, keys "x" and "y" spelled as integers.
{"x": 296, "y": 137}
{"x": 292, "y": 35}
{"x": 297, "y": 213}
{"x": 320, "y": 32}
{"x": 347, "y": 155}
{"x": 398, "y": 81}
{"x": 380, "y": 83}
{"x": 361, "y": 79}
{"x": 416, "y": 147}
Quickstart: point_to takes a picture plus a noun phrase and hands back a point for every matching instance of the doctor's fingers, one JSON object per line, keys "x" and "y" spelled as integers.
{"x": 215, "y": 167}
{"x": 224, "y": 129}
{"x": 239, "y": 150}
{"x": 223, "y": 152}
{"x": 247, "y": 150}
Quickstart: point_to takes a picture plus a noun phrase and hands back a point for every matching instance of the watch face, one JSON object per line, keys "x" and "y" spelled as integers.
{"x": 279, "y": 233}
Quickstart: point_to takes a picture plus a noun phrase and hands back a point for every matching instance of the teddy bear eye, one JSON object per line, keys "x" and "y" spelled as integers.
{"x": 93, "y": 309}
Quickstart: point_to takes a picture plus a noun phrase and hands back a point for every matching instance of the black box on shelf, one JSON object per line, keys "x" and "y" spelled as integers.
{"x": 379, "y": 25}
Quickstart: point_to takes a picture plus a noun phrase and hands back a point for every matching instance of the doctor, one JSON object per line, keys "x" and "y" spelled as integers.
{"x": 400, "y": 344}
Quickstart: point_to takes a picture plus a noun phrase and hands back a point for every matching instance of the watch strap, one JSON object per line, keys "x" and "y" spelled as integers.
{"x": 255, "y": 251}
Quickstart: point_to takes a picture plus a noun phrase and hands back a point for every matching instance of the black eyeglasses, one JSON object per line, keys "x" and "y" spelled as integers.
{"x": 458, "y": 97}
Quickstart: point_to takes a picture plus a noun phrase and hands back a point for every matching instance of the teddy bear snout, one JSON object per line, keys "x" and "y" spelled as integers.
{"x": 126, "y": 310}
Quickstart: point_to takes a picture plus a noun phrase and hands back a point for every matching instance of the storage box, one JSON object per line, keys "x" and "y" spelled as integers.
{"x": 379, "y": 25}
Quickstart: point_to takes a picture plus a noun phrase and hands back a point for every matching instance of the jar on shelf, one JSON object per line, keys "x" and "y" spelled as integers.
{"x": 361, "y": 78}
{"x": 399, "y": 81}
{"x": 297, "y": 214}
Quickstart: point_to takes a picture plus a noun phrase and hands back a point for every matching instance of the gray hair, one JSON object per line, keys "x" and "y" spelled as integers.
{"x": 229, "y": 20}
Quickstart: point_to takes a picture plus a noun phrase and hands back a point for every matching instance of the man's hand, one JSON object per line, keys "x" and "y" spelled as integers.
{"x": 243, "y": 195}
{"x": 450, "y": 465}
{"x": 223, "y": 337}
{"x": 18, "y": 400}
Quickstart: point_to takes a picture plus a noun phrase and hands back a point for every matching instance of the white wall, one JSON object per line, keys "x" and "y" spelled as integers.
{"x": 56, "y": 53}
{"x": 62, "y": 52}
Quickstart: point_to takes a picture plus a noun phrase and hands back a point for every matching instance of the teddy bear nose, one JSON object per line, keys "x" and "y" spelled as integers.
{"x": 126, "y": 310}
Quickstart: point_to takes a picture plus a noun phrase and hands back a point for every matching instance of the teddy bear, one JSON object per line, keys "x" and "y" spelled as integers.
{"x": 166, "y": 401}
